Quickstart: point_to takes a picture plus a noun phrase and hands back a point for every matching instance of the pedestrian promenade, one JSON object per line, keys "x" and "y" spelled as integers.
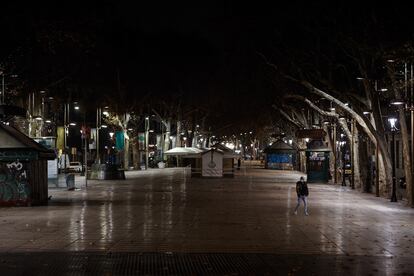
{"x": 250, "y": 216}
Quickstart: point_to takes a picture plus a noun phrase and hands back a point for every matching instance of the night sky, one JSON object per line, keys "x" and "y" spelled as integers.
{"x": 206, "y": 55}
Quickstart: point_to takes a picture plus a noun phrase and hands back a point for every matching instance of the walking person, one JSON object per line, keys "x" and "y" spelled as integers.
{"x": 238, "y": 163}
{"x": 302, "y": 192}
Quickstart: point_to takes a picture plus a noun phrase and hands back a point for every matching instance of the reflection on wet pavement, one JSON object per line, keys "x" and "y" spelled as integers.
{"x": 166, "y": 210}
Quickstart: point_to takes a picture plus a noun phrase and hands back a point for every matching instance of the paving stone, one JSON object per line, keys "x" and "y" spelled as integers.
{"x": 248, "y": 217}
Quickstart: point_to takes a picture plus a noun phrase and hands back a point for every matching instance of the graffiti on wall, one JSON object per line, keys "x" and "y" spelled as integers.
{"x": 14, "y": 183}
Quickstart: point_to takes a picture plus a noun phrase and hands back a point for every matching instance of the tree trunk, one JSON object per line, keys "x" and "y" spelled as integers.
{"x": 364, "y": 167}
{"x": 354, "y": 143}
{"x": 302, "y": 155}
{"x": 126, "y": 150}
{"x": 406, "y": 155}
{"x": 178, "y": 138}
{"x": 328, "y": 139}
{"x": 135, "y": 155}
{"x": 385, "y": 159}
{"x": 355, "y": 158}
{"x": 166, "y": 145}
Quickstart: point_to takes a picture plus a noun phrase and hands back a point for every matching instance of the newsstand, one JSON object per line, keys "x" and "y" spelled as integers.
{"x": 23, "y": 169}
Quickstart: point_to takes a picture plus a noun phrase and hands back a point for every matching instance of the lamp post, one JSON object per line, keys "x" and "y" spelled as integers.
{"x": 342, "y": 143}
{"x": 411, "y": 190}
{"x": 146, "y": 141}
{"x": 335, "y": 152}
{"x": 353, "y": 127}
{"x": 392, "y": 122}
{"x": 98, "y": 127}
{"x": 66, "y": 130}
{"x": 2, "y": 88}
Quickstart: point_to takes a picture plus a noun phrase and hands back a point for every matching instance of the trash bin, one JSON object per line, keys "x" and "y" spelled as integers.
{"x": 70, "y": 182}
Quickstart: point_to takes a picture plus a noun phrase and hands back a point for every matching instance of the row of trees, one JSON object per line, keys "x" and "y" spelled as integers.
{"x": 359, "y": 74}
{"x": 184, "y": 82}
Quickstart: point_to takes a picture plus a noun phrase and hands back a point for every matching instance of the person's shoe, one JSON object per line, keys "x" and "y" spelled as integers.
{"x": 296, "y": 212}
{"x": 306, "y": 214}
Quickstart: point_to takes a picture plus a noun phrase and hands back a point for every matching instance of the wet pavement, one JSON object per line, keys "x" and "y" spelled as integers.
{"x": 167, "y": 214}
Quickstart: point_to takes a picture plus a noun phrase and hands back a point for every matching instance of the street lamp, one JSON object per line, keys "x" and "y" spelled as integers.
{"x": 397, "y": 102}
{"x": 342, "y": 144}
{"x": 66, "y": 132}
{"x": 147, "y": 126}
{"x": 392, "y": 122}
{"x": 99, "y": 125}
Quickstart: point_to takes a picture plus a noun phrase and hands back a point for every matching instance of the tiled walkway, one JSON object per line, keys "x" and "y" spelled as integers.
{"x": 167, "y": 211}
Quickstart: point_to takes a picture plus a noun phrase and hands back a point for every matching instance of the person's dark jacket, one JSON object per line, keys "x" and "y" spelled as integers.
{"x": 302, "y": 188}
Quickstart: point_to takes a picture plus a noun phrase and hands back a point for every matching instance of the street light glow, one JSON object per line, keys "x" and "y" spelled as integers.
{"x": 397, "y": 102}
{"x": 230, "y": 145}
{"x": 392, "y": 122}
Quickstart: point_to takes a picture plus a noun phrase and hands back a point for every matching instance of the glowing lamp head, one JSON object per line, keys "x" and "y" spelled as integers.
{"x": 392, "y": 122}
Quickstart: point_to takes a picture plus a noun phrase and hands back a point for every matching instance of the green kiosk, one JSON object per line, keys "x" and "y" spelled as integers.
{"x": 317, "y": 161}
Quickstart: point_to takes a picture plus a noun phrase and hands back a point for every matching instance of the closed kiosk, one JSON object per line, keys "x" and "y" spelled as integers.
{"x": 212, "y": 163}
{"x": 280, "y": 156}
{"x": 317, "y": 161}
{"x": 23, "y": 169}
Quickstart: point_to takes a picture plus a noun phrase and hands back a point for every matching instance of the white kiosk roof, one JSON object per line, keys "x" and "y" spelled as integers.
{"x": 183, "y": 151}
